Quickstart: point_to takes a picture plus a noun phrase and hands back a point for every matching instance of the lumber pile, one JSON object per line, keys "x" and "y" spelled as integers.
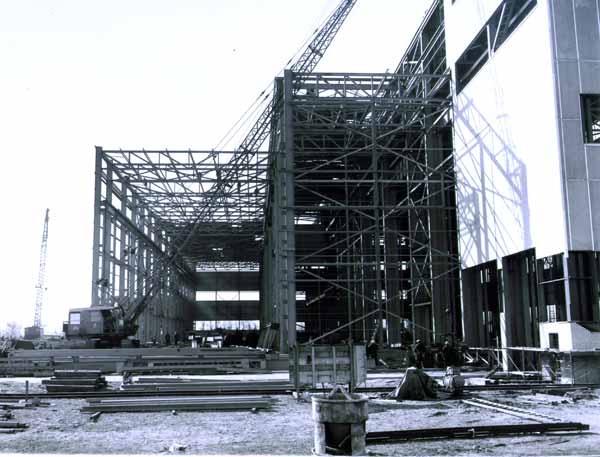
{"x": 155, "y": 404}
{"x": 75, "y": 381}
{"x": 205, "y": 386}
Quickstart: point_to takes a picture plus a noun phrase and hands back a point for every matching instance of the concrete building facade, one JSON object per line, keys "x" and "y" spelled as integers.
{"x": 526, "y": 135}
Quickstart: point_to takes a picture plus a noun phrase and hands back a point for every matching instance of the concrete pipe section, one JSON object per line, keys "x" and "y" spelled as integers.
{"x": 340, "y": 422}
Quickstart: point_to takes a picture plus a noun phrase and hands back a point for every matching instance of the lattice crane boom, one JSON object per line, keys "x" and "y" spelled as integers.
{"x": 255, "y": 138}
{"x": 306, "y": 63}
{"x": 41, "y": 282}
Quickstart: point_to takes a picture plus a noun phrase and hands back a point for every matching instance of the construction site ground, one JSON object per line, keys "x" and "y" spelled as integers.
{"x": 287, "y": 428}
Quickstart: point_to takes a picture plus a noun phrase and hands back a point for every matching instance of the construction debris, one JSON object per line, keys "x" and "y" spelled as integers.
{"x": 584, "y": 394}
{"x": 94, "y": 417}
{"x": 415, "y": 385}
{"x": 176, "y": 447}
{"x": 150, "y": 404}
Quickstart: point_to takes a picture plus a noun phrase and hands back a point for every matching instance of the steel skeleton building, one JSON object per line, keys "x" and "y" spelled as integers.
{"x": 349, "y": 223}
{"x": 347, "y": 218}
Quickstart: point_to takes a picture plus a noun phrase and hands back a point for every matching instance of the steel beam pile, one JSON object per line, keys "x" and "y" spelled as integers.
{"x": 480, "y": 431}
{"x": 207, "y": 387}
{"x": 142, "y": 360}
{"x": 75, "y": 381}
{"x": 153, "y": 404}
{"x": 12, "y": 427}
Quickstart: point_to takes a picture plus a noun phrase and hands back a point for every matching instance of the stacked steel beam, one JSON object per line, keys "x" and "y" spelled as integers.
{"x": 153, "y": 404}
{"x": 75, "y": 381}
{"x": 196, "y": 386}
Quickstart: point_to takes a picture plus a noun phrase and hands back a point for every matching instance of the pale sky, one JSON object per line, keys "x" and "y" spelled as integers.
{"x": 154, "y": 74}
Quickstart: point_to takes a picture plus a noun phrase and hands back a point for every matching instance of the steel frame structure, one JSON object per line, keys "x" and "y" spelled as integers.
{"x": 350, "y": 213}
{"x": 361, "y": 212}
{"x": 160, "y": 216}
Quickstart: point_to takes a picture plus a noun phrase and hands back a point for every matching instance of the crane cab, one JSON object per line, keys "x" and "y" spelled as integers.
{"x": 94, "y": 322}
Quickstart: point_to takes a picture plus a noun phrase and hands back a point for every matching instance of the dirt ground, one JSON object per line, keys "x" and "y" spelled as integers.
{"x": 287, "y": 428}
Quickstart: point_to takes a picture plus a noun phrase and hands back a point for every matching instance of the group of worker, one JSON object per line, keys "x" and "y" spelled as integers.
{"x": 420, "y": 353}
{"x": 167, "y": 339}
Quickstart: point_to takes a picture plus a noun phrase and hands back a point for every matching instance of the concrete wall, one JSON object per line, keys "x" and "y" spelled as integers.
{"x": 506, "y": 139}
{"x": 571, "y": 336}
{"x": 576, "y": 61}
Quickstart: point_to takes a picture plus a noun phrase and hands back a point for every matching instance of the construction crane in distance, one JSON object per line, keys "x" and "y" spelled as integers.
{"x": 109, "y": 325}
{"x": 36, "y": 330}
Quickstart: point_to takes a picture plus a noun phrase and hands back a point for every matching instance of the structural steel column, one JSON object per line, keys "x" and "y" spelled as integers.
{"x": 97, "y": 231}
{"x": 377, "y": 210}
{"x": 286, "y": 229}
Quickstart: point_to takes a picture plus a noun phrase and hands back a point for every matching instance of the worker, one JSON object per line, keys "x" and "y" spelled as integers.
{"x": 419, "y": 351}
{"x": 167, "y": 339}
{"x": 372, "y": 351}
{"x": 176, "y": 338}
{"x": 448, "y": 354}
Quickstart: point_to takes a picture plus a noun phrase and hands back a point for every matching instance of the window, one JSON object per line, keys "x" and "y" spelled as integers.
{"x": 227, "y": 295}
{"x": 494, "y": 33}
{"x": 553, "y": 340}
{"x": 590, "y": 116}
{"x": 75, "y": 318}
{"x": 551, "y": 312}
{"x": 227, "y": 325}
{"x": 95, "y": 316}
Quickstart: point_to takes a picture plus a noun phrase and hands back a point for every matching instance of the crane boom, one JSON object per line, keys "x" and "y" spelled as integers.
{"x": 41, "y": 283}
{"x": 306, "y": 63}
{"x": 255, "y": 138}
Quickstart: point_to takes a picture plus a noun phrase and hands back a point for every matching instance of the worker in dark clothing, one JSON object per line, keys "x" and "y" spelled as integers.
{"x": 176, "y": 338}
{"x": 372, "y": 351}
{"x": 448, "y": 354}
{"x": 419, "y": 351}
{"x": 167, "y": 339}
